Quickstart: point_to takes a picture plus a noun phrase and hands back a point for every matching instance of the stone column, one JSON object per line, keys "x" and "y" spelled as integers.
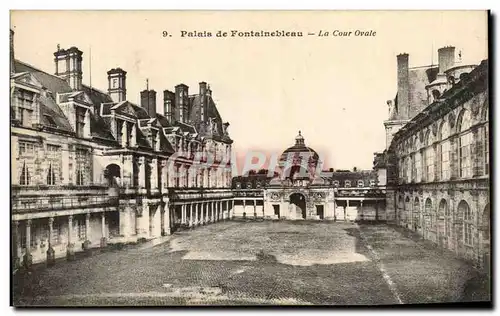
{"x": 17, "y": 246}
{"x": 86, "y": 243}
{"x": 232, "y": 209}
{"x": 166, "y": 220}
{"x": 345, "y": 210}
{"x": 334, "y": 210}
{"x": 376, "y": 212}
{"x": 103, "y": 230}
{"x": 254, "y": 208}
{"x": 28, "y": 258}
{"x": 142, "y": 172}
{"x": 154, "y": 175}
{"x": 212, "y": 211}
{"x": 190, "y": 215}
{"x": 70, "y": 249}
{"x": 244, "y": 207}
{"x": 206, "y": 212}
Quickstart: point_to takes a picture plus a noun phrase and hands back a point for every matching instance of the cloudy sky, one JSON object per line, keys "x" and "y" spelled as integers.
{"x": 333, "y": 89}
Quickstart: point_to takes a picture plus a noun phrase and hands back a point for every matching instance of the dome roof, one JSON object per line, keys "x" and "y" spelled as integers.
{"x": 299, "y": 148}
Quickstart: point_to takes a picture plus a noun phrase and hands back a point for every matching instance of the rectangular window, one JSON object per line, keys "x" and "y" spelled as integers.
{"x": 80, "y": 121}
{"x": 438, "y": 156}
{"x": 83, "y": 167}
{"x": 445, "y": 160}
{"x": 25, "y": 107}
{"x": 416, "y": 168}
{"x": 465, "y": 155}
{"x": 429, "y": 164}
{"x": 26, "y": 149}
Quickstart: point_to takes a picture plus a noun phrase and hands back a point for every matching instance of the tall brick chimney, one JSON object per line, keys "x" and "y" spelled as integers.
{"x": 68, "y": 64}
{"x": 446, "y": 58}
{"x": 12, "y": 60}
{"x": 169, "y": 105}
{"x": 403, "y": 86}
{"x": 203, "y": 100}
{"x": 117, "y": 87}
{"x": 181, "y": 102}
{"x": 148, "y": 102}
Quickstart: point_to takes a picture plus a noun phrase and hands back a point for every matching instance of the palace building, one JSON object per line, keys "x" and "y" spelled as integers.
{"x": 437, "y": 155}
{"x": 300, "y": 190}
{"x": 90, "y": 168}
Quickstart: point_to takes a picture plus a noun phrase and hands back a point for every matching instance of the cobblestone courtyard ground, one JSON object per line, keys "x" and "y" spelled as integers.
{"x": 262, "y": 263}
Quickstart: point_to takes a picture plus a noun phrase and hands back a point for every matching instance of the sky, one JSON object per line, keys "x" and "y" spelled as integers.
{"x": 333, "y": 89}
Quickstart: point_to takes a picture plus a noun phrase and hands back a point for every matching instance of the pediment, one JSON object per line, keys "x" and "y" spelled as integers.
{"x": 81, "y": 97}
{"x": 28, "y": 79}
{"x": 125, "y": 108}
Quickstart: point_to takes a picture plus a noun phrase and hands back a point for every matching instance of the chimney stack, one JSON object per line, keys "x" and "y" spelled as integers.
{"x": 446, "y": 58}
{"x": 12, "y": 60}
{"x": 203, "y": 88}
{"x": 169, "y": 105}
{"x": 403, "y": 98}
{"x": 117, "y": 84}
{"x": 181, "y": 102}
{"x": 68, "y": 64}
{"x": 148, "y": 102}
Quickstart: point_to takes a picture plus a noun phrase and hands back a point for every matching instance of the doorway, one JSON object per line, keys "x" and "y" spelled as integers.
{"x": 320, "y": 211}
{"x": 299, "y": 200}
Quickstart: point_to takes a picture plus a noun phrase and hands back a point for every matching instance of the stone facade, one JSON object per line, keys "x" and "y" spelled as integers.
{"x": 90, "y": 168}
{"x": 299, "y": 190}
{"x": 437, "y": 163}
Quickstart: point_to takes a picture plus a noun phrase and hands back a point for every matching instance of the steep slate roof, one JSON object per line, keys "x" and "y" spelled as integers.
{"x": 52, "y": 116}
{"x": 51, "y": 113}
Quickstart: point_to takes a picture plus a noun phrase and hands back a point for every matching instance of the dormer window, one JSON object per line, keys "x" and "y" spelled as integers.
{"x": 347, "y": 183}
{"x": 80, "y": 121}
{"x": 361, "y": 183}
{"x": 336, "y": 183}
{"x": 24, "y": 107}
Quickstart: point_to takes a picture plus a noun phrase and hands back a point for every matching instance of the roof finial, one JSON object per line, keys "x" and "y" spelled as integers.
{"x": 147, "y": 83}
{"x": 58, "y": 47}
{"x": 300, "y": 133}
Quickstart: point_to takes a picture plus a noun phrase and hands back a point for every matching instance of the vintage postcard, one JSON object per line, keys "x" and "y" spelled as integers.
{"x": 229, "y": 158}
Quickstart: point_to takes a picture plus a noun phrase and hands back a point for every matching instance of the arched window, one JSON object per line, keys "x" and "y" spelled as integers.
{"x": 444, "y": 211}
{"x": 468, "y": 222}
{"x": 51, "y": 176}
{"x": 444, "y": 152}
{"x": 464, "y": 144}
{"x": 416, "y": 214}
{"x": 429, "y": 157}
{"x": 418, "y": 167}
{"x": 25, "y": 178}
{"x": 431, "y": 213}
{"x": 483, "y": 144}
{"x": 435, "y": 94}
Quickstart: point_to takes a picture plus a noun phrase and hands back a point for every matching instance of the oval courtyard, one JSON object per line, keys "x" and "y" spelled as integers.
{"x": 260, "y": 262}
